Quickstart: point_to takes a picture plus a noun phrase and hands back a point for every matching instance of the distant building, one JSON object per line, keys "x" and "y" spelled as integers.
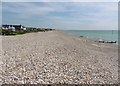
{"x": 16, "y": 28}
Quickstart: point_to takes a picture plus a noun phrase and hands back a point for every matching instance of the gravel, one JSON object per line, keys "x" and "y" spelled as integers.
{"x": 56, "y": 57}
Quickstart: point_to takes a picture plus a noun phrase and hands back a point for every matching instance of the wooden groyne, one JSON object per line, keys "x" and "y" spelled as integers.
{"x": 103, "y": 41}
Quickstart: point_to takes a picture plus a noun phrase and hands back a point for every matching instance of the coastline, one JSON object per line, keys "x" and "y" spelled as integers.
{"x": 57, "y": 57}
{"x": 107, "y": 36}
{"x": 91, "y": 39}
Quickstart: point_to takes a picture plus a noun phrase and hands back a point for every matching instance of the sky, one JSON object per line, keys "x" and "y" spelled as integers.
{"x": 62, "y": 15}
{"x": 60, "y": 0}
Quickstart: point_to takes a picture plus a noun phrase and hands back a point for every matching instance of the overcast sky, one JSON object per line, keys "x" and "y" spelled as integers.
{"x": 62, "y": 15}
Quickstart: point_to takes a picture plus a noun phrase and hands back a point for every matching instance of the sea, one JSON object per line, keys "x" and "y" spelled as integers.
{"x": 107, "y": 35}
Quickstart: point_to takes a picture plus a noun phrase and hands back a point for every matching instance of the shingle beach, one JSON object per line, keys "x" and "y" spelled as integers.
{"x": 55, "y": 57}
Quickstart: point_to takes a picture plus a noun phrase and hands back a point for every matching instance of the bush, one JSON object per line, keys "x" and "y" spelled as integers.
{"x": 20, "y": 32}
{"x": 9, "y": 32}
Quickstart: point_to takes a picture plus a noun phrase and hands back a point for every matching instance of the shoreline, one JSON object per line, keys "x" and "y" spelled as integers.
{"x": 81, "y": 36}
{"x": 57, "y": 57}
{"x": 90, "y": 39}
{"x": 93, "y": 38}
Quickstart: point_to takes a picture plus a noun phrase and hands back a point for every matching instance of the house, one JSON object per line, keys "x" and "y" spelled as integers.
{"x": 17, "y": 28}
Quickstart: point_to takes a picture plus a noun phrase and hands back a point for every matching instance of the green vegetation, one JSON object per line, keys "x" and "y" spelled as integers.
{"x": 9, "y": 32}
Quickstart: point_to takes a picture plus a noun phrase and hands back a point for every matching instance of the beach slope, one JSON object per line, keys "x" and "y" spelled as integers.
{"x": 56, "y": 57}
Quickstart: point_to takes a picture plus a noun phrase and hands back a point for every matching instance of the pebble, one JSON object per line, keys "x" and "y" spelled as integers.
{"x": 54, "y": 57}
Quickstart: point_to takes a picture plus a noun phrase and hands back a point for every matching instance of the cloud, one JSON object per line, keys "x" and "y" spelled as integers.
{"x": 60, "y": 1}
{"x": 31, "y": 9}
{"x": 26, "y": 8}
{"x": 83, "y": 15}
